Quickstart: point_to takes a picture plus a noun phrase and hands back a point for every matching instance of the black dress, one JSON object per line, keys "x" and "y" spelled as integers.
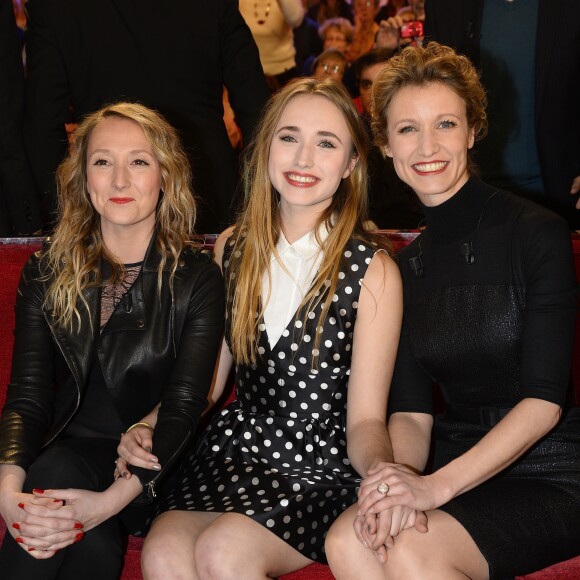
{"x": 492, "y": 333}
{"x": 278, "y": 453}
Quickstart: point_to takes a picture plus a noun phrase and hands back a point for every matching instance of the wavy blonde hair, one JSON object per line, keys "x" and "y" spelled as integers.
{"x": 421, "y": 66}
{"x": 258, "y": 228}
{"x": 72, "y": 261}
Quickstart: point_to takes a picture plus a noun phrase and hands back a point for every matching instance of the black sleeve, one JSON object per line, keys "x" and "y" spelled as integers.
{"x": 185, "y": 396}
{"x": 412, "y": 387}
{"x": 551, "y": 303}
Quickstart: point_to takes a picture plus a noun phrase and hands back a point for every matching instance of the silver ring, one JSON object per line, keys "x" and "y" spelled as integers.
{"x": 383, "y": 488}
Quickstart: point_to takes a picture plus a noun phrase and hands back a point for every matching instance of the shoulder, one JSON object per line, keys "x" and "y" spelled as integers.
{"x": 220, "y": 245}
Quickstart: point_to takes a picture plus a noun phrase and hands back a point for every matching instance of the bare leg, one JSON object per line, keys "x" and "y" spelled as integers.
{"x": 445, "y": 552}
{"x": 236, "y": 547}
{"x": 168, "y": 552}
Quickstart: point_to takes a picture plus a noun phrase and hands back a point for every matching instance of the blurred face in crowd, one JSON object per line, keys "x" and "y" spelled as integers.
{"x": 367, "y": 77}
{"x": 330, "y": 67}
{"x": 429, "y": 138}
{"x": 365, "y": 10}
{"x": 335, "y": 38}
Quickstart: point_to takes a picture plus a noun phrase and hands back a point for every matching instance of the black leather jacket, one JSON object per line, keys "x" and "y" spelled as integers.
{"x": 163, "y": 350}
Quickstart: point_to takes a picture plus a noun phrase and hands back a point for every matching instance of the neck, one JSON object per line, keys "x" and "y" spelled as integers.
{"x": 128, "y": 247}
{"x": 296, "y": 224}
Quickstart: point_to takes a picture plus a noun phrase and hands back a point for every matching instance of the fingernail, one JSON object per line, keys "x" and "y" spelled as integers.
{"x": 16, "y": 525}
{"x": 31, "y": 549}
{"x": 157, "y": 467}
{"x": 20, "y": 540}
{"x": 79, "y": 536}
{"x": 79, "y": 526}
{"x": 21, "y": 506}
{"x": 56, "y": 500}
{"x": 38, "y": 490}
{"x": 148, "y": 449}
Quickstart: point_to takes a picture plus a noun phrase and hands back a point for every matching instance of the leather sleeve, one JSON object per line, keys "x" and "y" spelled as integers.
{"x": 185, "y": 396}
{"x": 28, "y": 411}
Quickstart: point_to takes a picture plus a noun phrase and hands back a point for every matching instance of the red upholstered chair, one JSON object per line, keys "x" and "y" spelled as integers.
{"x": 13, "y": 255}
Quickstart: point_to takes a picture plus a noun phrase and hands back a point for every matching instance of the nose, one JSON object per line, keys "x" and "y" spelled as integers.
{"x": 304, "y": 155}
{"x": 120, "y": 176}
{"x": 428, "y": 144}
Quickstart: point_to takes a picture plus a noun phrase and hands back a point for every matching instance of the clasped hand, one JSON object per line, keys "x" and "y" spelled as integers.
{"x": 381, "y": 517}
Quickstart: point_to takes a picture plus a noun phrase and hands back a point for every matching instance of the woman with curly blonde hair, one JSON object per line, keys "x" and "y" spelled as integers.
{"x": 118, "y": 324}
{"x": 313, "y": 315}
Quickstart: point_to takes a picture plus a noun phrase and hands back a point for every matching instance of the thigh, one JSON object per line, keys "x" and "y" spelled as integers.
{"x": 446, "y": 551}
{"x": 235, "y": 542}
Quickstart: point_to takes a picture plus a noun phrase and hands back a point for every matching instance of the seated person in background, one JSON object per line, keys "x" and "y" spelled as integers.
{"x": 490, "y": 302}
{"x": 396, "y": 31}
{"x": 334, "y": 33}
{"x": 330, "y": 64}
{"x": 325, "y": 9}
{"x": 392, "y": 203}
{"x": 116, "y": 316}
{"x": 313, "y": 369}
{"x": 307, "y": 42}
{"x": 365, "y": 28}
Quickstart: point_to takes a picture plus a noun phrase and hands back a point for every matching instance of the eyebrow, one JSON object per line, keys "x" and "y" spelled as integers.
{"x": 321, "y": 133}
{"x": 132, "y": 152}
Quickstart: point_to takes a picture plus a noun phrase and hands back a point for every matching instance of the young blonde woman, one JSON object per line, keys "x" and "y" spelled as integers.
{"x": 313, "y": 321}
{"x": 117, "y": 315}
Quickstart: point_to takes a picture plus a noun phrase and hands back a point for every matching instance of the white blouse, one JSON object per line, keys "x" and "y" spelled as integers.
{"x": 302, "y": 260}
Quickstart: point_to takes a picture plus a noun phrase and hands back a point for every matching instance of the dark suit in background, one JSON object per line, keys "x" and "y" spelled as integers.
{"x": 171, "y": 55}
{"x": 19, "y": 206}
{"x": 457, "y": 23}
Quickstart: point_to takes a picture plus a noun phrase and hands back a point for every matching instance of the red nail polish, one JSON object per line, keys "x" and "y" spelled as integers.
{"x": 20, "y": 540}
{"x": 38, "y": 490}
{"x": 31, "y": 549}
{"x": 21, "y": 506}
{"x": 79, "y": 536}
{"x": 79, "y": 526}
{"x": 16, "y": 525}
{"x": 56, "y": 500}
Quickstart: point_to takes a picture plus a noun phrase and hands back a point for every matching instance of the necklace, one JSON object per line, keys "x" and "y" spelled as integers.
{"x": 266, "y": 13}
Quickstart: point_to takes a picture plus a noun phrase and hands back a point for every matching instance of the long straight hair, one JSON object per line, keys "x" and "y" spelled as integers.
{"x": 258, "y": 229}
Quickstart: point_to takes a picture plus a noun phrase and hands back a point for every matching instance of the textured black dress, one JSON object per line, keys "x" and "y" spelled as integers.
{"x": 278, "y": 453}
{"x": 492, "y": 333}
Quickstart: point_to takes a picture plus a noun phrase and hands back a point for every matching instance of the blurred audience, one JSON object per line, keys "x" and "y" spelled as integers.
{"x": 271, "y": 23}
{"x": 398, "y": 30}
{"x": 325, "y": 9}
{"x": 334, "y": 33}
{"x": 307, "y": 42}
{"x": 330, "y": 64}
{"x": 365, "y": 28}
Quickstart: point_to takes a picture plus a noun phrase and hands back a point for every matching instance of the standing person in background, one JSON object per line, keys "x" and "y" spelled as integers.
{"x": 19, "y": 203}
{"x": 271, "y": 23}
{"x": 174, "y": 56}
{"x": 116, "y": 316}
{"x": 529, "y": 57}
{"x": 365, "y": 28}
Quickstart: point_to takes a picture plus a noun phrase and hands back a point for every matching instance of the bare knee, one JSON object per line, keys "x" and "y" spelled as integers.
{"x": 164, "y": 557}
{"x": 216, "y": 558}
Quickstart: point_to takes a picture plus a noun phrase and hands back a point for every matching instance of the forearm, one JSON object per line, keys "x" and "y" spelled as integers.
{"x": 293, "y": 12}
{"x": 526, "y": 423}
{"x": 11, "y": 478}
{"x": 411, "y": 438}
{"x": 367, "y": 445}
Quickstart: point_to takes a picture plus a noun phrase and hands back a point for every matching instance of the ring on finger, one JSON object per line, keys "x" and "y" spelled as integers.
{"x": 383, "y": 488}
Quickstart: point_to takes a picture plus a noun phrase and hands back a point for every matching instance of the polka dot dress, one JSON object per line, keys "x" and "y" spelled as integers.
{"x": 278, "y": 453}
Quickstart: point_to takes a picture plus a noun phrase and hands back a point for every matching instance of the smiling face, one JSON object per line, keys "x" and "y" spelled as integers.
{"x": 123, "y": 177}
{"x": 310, "y": 153}
{"x": 428, "y": 139}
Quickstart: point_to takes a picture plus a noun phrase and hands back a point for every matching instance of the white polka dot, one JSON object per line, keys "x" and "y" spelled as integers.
{"x": 298, "y": 324}
{"x": 328, "y": 343}
{"x": 354, "y": 267}
{"x": 282, "y": 355}
{"x": 348, "y": 290}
